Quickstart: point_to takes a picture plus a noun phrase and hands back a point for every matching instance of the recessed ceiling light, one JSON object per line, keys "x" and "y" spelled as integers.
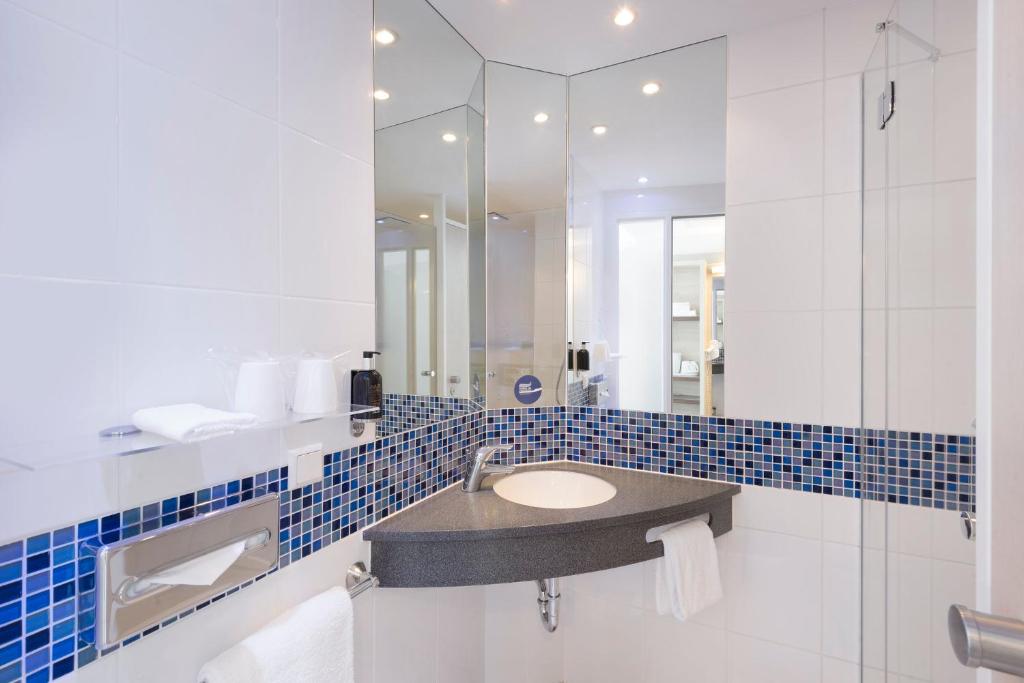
{"x": 642, "y": 180}
{"x": 639, "y": 196}
{"x": 380, "y": 220}
{"x": 449, "y": 137}
{"x": 624, "y": 17}
{"x": 424, "y": 216}
{"x": 540, "y": 117}
{"x": 651, "y": 88}
{"x": 381, "y": 95}
{"x": 385, "y": 37}
{"x": 599, "y": 130}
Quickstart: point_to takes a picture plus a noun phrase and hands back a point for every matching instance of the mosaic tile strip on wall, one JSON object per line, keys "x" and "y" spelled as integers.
{"x": 901, "y": 467}
{"x": 48, "y": 583}
{"x": 402, "y": 412}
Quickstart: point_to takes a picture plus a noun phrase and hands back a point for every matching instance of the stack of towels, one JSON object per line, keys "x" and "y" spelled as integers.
{"x": 310, "y": 643}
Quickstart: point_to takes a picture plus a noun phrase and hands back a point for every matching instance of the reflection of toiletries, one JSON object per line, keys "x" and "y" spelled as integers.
{"x": 571, "y": 354}
{"x": 583, "y": 358}
{"x": 368, "y": 387}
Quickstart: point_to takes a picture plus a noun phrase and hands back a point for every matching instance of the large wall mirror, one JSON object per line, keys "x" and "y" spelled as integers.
{"x": 526, "y": 196}
{"x": 647, "y": 283}
{"x": 430, "y": 204}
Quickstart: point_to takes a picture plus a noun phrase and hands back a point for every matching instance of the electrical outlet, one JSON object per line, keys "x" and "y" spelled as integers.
{"x": 305, "y": 465}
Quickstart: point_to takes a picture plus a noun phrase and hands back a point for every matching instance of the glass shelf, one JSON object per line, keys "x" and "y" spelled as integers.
{"x": 42, "y": 454}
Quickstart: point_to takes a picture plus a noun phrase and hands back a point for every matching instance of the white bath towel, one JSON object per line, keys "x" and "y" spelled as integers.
{"x": 311, "y": 643}
{"x": 190, "y": 421}
{"x": 686, "y": 578}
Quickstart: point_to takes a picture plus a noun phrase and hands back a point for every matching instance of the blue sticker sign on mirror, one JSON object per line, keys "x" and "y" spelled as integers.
{"x": 528, "y": 389}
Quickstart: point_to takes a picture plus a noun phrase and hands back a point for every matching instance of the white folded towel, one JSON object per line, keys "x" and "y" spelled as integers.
{"x": 686, "y": 578}
{"x": 312, "y": 643}
{"x": 190, "y": 421}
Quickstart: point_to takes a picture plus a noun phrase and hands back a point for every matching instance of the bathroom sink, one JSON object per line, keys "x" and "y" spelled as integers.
{"x": 554, "y": 489}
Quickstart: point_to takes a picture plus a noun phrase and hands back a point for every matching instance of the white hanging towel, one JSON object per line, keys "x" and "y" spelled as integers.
{"x": 686, "y": 578}
{"x": 311, "y": 643}
{"x": 190, "y": 421}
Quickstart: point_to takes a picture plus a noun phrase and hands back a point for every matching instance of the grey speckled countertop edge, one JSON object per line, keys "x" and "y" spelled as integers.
{"x": 453, "y": 515}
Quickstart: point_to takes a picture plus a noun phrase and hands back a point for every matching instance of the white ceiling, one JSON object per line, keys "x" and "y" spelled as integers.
{"x": 570, "y": 36}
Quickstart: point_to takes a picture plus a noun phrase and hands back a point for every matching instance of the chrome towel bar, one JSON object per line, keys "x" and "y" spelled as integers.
{"x": 358, "y": 580}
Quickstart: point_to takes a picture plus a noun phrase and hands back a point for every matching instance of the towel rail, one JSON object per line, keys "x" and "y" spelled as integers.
{"x": 358, "y": 580}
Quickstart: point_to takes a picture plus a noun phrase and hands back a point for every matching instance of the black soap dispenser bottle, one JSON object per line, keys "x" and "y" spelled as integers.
{"x": 368, "y": 387}
{"x": 572, "y": 357}
{"x": 583, "y": 358}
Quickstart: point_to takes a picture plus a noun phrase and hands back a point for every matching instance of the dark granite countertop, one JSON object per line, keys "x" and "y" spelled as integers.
{"x": 454, "y": 515}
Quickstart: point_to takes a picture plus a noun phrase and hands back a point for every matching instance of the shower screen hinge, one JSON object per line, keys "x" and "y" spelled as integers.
{"x": 886, "y": 105}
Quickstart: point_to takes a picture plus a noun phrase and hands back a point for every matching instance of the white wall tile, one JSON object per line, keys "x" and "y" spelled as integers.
{"x": 59, "y": 170}
{"x": 953, "y": 384}
{"x": 460, "y": 634}
{"x": 774, "y": 255}
{"x": 329, "y": 327}
{"x": 850, "y": 35}
{"x": 910, "y": 600}
{"x": 775, "y": 56}
{"x": 166, "y": 334}
{"x": 842, "y": 134}
{"x": 198, "y": 187}
{"x": 840, "y": 671}
{"x": 623, "y": 586}
{"x": 672, "y": 649}
{"x": 775, "y": 375}
{"x": 762, "y": 138}
{"x": 96, "y": 18}
{"x": 59, "y": 360}
{"x": 914, "y": 333}
{"x": 953, "y": 244}
{"x": 954, "y": 108}
{"x": 841, "y": 604}
{"x": 756, "y": 660}
{"x": 228, "y": 46}
{"x": 911, "y": 227}
{"x": 841, "y": 520}
{"x": 604, "y": 642}
{"x": 956, "y": 24}
{"x": 775, "y": 588}
{"x": 326, "y": 222}
{"x": 513, "y": 631}
{"x": 841, "y": 368}
{"x": 401, "y": 618}
{"x": 326, "y": 75}
{"x": 779, "y": 510}
{"x": 911, "y": 132}
{"x": 841, "y": 250}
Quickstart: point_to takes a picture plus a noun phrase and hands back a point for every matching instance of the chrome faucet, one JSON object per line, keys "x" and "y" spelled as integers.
{"x": 481, "y": 467}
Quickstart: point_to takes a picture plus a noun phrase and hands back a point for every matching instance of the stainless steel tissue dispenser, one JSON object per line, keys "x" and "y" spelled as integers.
{"x": 133, "y": 591}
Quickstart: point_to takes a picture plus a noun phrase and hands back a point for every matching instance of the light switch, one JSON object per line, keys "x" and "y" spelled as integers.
{"x": 305, "y": 465}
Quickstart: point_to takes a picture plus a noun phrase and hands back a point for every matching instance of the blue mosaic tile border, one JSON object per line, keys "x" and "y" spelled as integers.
{"x": 47, "y": 581}
{"x": 912, "y": 468}
{"x": 402, "y": 412}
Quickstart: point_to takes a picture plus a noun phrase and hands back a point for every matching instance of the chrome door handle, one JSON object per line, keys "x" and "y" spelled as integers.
{"x": 986, "y": 641}
{"x": 429, "y": 373}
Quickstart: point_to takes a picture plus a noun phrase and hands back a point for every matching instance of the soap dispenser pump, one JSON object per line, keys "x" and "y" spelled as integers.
{"x": 368, "y": 387}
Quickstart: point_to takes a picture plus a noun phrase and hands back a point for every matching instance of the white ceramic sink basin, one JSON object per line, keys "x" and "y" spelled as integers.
{"x": 554, "y": 489}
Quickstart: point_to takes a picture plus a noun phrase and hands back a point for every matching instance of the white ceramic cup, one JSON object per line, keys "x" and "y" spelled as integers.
{"x": 316, "y": 387}
{"x": 260, "y": 389}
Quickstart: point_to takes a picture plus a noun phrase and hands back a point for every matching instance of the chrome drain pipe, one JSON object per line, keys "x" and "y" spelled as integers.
{"x": 547, "y": 602}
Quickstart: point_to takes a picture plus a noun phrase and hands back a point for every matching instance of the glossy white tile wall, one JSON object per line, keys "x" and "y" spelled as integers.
{"x": 792, "y": 576}
{"x": 166, "y": 190}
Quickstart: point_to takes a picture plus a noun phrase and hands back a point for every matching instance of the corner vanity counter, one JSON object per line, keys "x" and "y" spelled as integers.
{"x": 459, "y": 539}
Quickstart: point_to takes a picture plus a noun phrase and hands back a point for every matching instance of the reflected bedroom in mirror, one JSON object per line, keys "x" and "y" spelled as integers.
{"x": 429, "y": 215}
{"x": 646, "y": 299}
